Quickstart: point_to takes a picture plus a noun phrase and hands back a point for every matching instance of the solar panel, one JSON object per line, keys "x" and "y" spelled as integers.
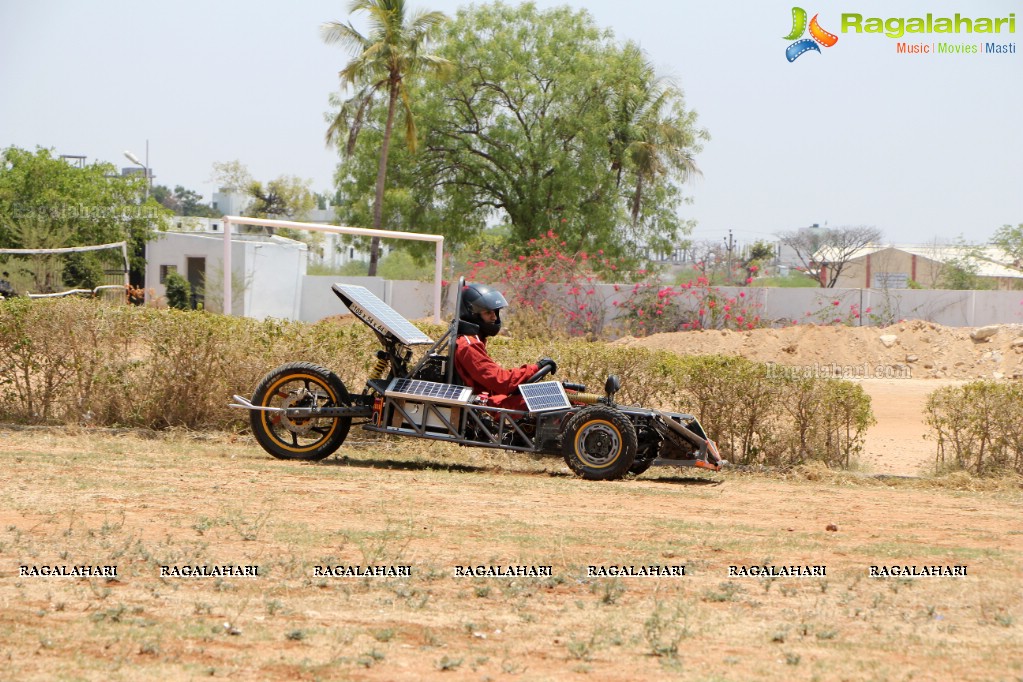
{"x": 544, "y": 396}
{"x": 380, "y": 316}
{"x": 429, "y": 390}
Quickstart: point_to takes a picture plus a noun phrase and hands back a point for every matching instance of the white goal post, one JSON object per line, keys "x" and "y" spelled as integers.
{"x": 318, "y": 227}
{"x": 123, "y": 246}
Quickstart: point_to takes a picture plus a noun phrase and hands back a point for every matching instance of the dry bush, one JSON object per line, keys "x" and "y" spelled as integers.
{"x": 80, "y": 361}
{"x": 755, "y": 416}
{"x": 979, "y": 427}
{"x": 76, "y": 361}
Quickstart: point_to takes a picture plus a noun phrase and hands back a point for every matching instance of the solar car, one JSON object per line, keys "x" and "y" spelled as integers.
{"x": 304, "y": 411}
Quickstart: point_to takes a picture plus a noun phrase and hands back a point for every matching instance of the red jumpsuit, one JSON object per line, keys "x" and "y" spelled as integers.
{"x": 482, "y": 374}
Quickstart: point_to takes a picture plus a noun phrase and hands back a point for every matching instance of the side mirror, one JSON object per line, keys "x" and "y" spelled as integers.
{"x": 611, "y": 386}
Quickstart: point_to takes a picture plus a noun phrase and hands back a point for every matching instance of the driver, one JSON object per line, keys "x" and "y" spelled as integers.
{"x": 481, "y": 309}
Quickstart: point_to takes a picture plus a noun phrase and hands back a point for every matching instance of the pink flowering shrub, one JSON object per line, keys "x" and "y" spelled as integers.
{"x": 554, "y": 291}
{"x": 835, "y": 312}
{"x": 552, "y": 286}
{"x": 696, "y": 304}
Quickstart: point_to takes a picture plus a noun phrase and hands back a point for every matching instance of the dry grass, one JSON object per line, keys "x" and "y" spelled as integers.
{"x": 97, "y": 498}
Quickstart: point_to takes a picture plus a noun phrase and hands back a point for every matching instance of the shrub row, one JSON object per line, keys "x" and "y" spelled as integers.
{"x": 76, "y": 361}
{"x": 979, "y": 427}
{"x": 756, "y": 416}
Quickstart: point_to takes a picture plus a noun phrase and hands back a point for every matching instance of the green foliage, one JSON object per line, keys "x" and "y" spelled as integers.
{"x": 398, "y": 265}
{"x": 650, "y": 308}
{"x": 183, "y": 202}
{"x": 547, "y": 123}
{"x": 960, "y": 274}
{"x": 287, "y": 197}
{"x": 759, "y": 254}
{"x": 979, "y": 427}
{"x": 45, "y": 272}
{"x": 402, "y": 265}
{"x": 552, "y": 289}
{"x": 385, "y": 60}
{"x": 179, "y": 291}
{"x": 793, "y": 280}
{"x": 84, "y": 361}
{"x": 353, "y": 268}
{"x": 1010, "y": 239}
{"x": 89, "y": 205}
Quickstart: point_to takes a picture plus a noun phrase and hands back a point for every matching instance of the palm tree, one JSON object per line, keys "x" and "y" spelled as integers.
{"x": 384, "y": 59}
{"x": 651, "y": 130}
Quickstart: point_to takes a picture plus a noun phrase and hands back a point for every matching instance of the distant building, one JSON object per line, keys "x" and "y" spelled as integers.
{"x": 231, "y": 201}
{"x": 879, "y": 266}
{"x": 180, "y": 223}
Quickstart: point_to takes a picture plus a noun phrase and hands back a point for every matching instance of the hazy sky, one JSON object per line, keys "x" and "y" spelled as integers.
{"x": 923, "y": 147}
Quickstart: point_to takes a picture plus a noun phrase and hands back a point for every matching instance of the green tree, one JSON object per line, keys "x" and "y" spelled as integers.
{"x": 89, "y": 205}
{"x": 1010, "y": 240}
{"x": 384, "y": 60}
{"x": 45, "y": 270}
{"x": 287, "y": 197}
{"x": 179, "y": 291}
{"x": 651, "y": 128}
{"x": 231, "y": 175}
{"x": 961, "y": 272}
{"x": 183, "y": 202}
{"x": 532, "y": 131}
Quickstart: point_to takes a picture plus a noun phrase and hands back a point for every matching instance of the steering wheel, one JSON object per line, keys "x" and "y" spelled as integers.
{"x": 540, "y": 374}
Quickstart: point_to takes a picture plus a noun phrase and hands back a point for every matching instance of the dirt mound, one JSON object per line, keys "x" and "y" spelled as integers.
{"x": 912, "y": 349}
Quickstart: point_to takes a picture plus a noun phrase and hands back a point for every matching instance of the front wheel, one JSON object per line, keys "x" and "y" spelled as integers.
{"x": 299, "y": 384}
{"x": 599, "y": 443}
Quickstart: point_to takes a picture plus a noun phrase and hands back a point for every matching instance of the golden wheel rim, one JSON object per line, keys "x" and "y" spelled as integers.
{"x": 294, "y": 434}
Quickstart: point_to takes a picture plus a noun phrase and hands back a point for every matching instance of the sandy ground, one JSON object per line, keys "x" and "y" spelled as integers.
{"x": 139, "y": 504}
{"x": 921, "y": 350}
{"x": 900, "y": 443}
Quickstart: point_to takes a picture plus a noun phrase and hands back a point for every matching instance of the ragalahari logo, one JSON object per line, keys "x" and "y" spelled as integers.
{"x": 817, "y": 35}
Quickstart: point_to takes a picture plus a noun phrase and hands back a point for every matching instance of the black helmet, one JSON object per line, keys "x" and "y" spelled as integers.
{"x": 479, "y": 297}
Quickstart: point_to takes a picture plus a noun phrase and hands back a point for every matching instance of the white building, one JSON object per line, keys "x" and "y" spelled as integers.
{"x": 268, "y": 271}
{"x": 231, "y": 201}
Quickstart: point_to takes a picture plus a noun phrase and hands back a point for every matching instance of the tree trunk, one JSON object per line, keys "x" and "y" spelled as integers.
{"x": 378, "y": 202}
{"x": 637, "y": 198}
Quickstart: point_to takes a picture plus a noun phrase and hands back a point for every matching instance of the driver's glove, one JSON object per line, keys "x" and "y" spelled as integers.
{"x": 547, "y": 362}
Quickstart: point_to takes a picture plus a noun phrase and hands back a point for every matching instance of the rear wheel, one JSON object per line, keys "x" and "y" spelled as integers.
{"x": 299, "y": 384}
{"x": 599, "y": 443}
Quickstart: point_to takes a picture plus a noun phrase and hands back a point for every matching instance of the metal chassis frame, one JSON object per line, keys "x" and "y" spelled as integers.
{"x": 506, "y": 424}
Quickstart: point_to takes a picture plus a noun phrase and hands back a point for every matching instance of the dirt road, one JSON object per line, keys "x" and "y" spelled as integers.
{"x": 900, "y": 443}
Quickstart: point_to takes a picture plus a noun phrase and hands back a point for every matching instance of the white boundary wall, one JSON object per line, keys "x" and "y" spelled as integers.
{"x": 411, "y": 299}
{"x": 780, "y": 306}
